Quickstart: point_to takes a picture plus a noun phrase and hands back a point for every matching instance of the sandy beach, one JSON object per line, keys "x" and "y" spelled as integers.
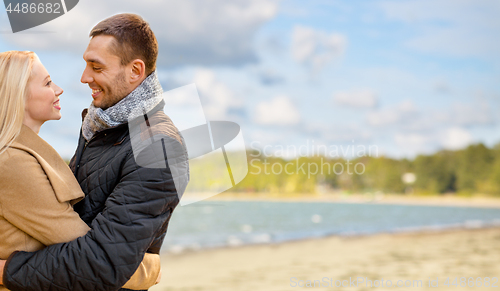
{"x": 413, "y": 259}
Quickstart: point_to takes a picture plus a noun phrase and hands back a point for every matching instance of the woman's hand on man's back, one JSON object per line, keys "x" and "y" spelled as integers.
{"x": 2, "y": 264}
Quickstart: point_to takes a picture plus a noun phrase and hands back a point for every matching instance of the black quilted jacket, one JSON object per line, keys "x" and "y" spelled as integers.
{"x": 128, "y": 208}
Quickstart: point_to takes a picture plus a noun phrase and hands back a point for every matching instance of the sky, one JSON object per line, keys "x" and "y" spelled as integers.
{"x": 409, "y": 77}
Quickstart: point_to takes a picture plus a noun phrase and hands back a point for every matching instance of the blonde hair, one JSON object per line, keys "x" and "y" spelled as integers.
{"x": 15, "y": 73}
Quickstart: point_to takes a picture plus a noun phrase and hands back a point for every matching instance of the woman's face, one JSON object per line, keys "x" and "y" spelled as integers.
{"x": 42, "y": 103}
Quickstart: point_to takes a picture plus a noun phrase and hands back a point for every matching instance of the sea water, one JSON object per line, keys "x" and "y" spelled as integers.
{"x": 233, "y": 223}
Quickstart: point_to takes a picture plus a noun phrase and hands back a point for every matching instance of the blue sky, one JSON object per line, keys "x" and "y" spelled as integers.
{"x": 410, "y": 77}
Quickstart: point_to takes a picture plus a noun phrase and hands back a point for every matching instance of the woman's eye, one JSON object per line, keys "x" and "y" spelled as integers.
{"x": 48, "y": 83}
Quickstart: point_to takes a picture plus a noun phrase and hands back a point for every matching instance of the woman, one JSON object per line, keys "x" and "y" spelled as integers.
{"x": 37, "y": 188}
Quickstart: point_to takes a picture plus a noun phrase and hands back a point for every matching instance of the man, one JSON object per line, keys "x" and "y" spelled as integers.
{"x": 130, "y": 189}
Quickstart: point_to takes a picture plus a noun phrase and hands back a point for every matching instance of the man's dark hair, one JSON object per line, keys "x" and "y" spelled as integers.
{"x": 134, "y": 39}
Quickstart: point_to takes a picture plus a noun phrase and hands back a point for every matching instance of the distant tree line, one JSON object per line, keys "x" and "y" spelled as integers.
{"x": 473, "y": 170}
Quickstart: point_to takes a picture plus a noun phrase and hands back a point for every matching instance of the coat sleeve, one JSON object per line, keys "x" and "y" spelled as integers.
{"x": 136, "y": 211}
{"x": 146, "y": 274}
{"x": 29, "y": 203}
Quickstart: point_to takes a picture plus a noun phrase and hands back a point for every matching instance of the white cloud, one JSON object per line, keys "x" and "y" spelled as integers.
{"x": 361, "y": 98}
{"x": 406, "y": 116}
{"x": 465, "y": 114}
{"x": 270, "y": 77}
{"x": 455, "y": 138}
{"x": 403, "y": 112}
{"x": 316, "y": 48}
{"x": 451, "y": 138}
{"x": 188, "y": 32}
{"x": 263, "y": 137}
{"x": 278, "y": 111}
{"x": 218, "y": 99}
{"x": 410, "y": 139}
{"x": 335, "y": 133}
{"x": 472, "y": 114}
{"x": 413, "y": 142}
{"x": 459, "y": 27}
{"x": 441, "y": 86}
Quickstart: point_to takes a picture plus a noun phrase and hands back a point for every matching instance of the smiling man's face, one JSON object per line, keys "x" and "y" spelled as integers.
{"x": 104, "y": 73}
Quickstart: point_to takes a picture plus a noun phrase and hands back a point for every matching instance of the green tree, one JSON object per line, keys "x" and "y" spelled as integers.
{"x": 474, "y": 165}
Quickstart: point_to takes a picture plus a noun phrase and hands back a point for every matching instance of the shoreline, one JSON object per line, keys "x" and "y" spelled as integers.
{"x": 392, "y": 199}
{"x": 424, "y": 230}
{"x": 406, "y": 256}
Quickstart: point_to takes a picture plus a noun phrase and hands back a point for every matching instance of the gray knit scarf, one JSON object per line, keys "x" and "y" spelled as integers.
{"x": 140, "y": 101}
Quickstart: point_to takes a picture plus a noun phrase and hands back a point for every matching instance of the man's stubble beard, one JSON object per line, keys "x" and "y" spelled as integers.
{"x": 118, "y": 92}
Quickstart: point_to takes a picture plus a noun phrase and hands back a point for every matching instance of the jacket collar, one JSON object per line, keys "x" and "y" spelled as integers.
{"x": 60, "y": 176}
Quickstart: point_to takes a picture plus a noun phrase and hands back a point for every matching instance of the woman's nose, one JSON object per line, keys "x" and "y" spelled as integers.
{"x": 58, "y": 90}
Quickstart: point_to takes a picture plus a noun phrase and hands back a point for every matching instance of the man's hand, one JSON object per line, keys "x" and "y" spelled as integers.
{"x": 2, "y": 264}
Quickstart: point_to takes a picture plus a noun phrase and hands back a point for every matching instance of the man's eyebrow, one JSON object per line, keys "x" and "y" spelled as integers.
{"x": 95, "y": 61}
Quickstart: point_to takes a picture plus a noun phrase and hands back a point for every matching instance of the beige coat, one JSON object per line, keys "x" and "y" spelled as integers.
{"x": 37, "y": 191}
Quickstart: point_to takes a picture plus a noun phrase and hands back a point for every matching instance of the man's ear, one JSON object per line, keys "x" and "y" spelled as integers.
{"x": 138, "y": 70}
